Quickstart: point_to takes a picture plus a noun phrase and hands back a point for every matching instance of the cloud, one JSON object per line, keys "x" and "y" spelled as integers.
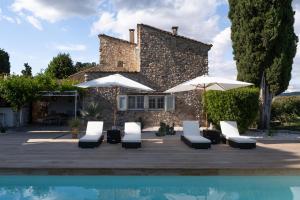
{"x": 71, "y": 47}
{"x": 55, "y": 10}
{"x": 7, "y": 18}
{"x": 35, "y": 22}
{"x": 221, "y": 61}
{"x": 196, "y": 19}
{"x": 142, "y": 4}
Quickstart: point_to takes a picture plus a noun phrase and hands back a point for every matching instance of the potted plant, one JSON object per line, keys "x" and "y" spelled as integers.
{"x": 74, "y": 125}
{"x": 162, "y": 130}
{"x": 171, "y": 130}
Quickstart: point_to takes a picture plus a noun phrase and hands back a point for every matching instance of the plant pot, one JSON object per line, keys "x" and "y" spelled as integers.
{"x": 74, "y": 132}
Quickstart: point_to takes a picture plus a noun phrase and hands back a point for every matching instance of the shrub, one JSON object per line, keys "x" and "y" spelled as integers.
{"x": 240, "y": 105}
{"x": 92, "y": 111}
{"x": 285, "y": 109}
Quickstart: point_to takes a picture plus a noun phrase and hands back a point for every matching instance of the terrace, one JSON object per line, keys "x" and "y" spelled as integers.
{"x": 53, "y": 152}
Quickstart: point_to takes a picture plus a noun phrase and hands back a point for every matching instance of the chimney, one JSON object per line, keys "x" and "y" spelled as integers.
{"x": 131, "y": 35}
{"x": 174, "y": 30}
{"x": 86, "y": 77}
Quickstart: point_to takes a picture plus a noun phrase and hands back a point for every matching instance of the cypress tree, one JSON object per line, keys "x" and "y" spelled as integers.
{"x": 264, "y": 45}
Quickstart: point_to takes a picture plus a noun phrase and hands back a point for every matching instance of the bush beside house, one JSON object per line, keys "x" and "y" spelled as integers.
{"x": 241, "y": 105}
{"x": 19, "y": 91}
{"x": 285, "y": 109}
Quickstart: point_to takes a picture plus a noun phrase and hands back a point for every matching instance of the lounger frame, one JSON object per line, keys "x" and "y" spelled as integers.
{"x": 241, "y": 145}
{"x": 195, "y": 145}
{"x": 84, "y": 144}
{"x": 131, "y": 145}
{"x": 232, "y": 142}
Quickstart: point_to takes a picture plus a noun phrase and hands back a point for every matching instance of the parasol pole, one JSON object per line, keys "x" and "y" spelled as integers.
{"x": 204, "y": 108}
{"x": 116, "y": 91}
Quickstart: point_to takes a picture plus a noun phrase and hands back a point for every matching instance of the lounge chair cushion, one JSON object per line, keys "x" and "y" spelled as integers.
{"x": 241, "y": 140}
{"x": 90, "y": 138}
{"x": 197, "y": 139}
{"x": 131, "y": 138}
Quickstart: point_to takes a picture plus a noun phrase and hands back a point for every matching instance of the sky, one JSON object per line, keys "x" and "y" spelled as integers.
{"x": 34, "y": 31}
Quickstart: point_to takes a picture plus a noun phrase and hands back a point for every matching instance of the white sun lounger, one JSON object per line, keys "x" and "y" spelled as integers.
{"x": 231, "y": 133}
{"x": 191, "y": 136}
{"x": 93, "y": 136}
{"x": 132, "y": 137}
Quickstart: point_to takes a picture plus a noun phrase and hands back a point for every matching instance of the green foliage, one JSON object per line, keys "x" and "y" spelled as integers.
{"x": 240, "y": 105}
{"x": 165, "y": 129}
{"x": 27, "y": 71}
{"x": 92, "y": 111}
{"x": 4, "y": 62}
{"x": 18, "y": 90}
{"x": 79, "y": 66}
{"x": 46, "y": 82}
{"x": 74, "y": 123}
{"x": 67, "y": 85}
{"x": 60, "y": 66}
{"x": 162, "y": 131}
{"x": 286, "y": 109}
{"x": 264, "y": 41}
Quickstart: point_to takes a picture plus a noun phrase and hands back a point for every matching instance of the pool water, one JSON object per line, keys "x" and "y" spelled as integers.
{"x": 149, "y": 187}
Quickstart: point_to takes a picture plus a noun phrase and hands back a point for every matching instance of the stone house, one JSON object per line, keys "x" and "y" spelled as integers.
{"x": 159, "y": 59}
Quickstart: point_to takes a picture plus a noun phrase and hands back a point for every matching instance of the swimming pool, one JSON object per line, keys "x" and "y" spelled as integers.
{"x": 149, "y": 187}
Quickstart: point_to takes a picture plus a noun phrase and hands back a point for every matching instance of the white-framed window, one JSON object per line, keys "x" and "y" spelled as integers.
{"x": 156, "y": 102}
{"x": 135, "y": 102}
{"x": 169, "y": 103}
{"x": 146, "y": 102}
{"x": 122, "y": 102}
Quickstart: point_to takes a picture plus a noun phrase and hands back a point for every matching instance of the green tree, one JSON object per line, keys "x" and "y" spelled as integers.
{"x": 27, "y": 71}
{"x": 18, "y": 91}
{"x": 60, "y": 66}
{"x": 4, "y": 62}
{"x": 82, "y": 66}
{"x": 264, "y": 45}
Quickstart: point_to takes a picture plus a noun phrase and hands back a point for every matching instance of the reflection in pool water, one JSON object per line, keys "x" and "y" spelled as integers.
{"x": 149, "y": 187}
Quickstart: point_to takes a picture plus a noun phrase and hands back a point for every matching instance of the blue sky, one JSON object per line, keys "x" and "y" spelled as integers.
{"x": 34, "y": 31}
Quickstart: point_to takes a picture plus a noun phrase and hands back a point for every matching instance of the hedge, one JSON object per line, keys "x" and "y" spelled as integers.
{"x": 240, "y": 105}
{"x": 285, "y": 109}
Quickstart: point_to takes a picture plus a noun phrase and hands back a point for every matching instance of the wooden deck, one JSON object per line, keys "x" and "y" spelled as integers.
{"x": 41, "y": 153}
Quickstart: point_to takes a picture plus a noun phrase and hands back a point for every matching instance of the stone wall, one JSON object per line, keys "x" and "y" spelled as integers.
{"x": 163, "y": 61}
{"x": 168, "y": 60}
{"x": 115, "y": 51}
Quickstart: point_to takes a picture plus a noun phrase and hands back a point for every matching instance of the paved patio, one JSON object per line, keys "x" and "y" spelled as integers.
{"x": 55, "y": 153}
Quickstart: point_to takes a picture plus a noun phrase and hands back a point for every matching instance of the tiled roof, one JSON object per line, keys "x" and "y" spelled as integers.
{"x": 179, "y": 36}
{"x": 114, "y": 38}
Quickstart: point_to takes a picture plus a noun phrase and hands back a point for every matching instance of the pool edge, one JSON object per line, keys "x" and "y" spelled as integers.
{"x": 150, "y": 172}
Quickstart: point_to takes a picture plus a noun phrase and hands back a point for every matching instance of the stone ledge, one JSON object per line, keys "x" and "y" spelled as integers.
{"x": 152, "y": 172}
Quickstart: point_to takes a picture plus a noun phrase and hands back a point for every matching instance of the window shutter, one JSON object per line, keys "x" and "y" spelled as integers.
{"x": 169, "y": 103}
{"x": 122, "y": 102}
{"x": 146, "y": 102}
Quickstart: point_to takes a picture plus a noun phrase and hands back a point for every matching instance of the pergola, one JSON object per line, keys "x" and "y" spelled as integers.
{"x": 71, "y": 93}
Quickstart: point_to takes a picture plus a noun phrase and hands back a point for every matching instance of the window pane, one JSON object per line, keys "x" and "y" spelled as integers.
{"x": 160, "y": 102}
{"x": 152, "y": 102}
{"x": 131, "y": 102}
{"x": 122, "y": 102}
{"x": 140, "y": 102}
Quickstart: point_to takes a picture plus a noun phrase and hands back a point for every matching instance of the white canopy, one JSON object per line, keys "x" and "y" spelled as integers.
{"x": 208, "y": 83}
{"x": 115, "y": 80}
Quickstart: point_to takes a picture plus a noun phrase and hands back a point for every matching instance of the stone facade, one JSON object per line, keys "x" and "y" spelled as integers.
{"x": 160, "y": 60}
{"x": 118, "y": 55}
